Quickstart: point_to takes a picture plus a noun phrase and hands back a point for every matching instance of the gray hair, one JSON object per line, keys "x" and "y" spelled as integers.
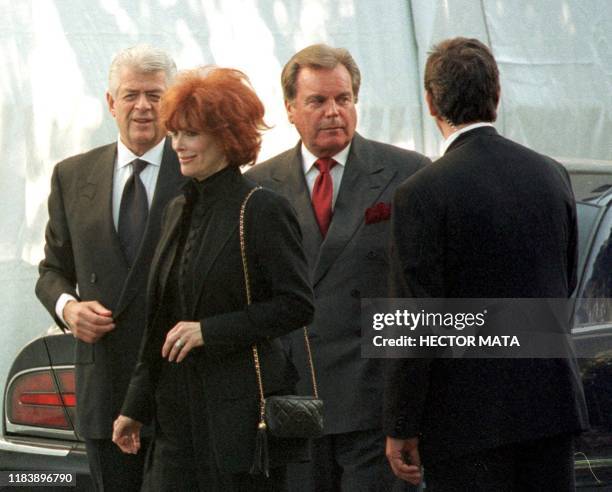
{"x": 142, "y": 58}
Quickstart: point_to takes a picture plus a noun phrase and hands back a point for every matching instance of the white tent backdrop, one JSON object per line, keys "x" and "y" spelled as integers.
{"x": 555, "y": 59}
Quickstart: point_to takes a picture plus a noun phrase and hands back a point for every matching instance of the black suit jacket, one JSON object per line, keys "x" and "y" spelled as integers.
{"x": 281, "y": 302}
{"x": 490, "y": 219}
{"x": 83, "y": 258}
{"x": 349, "y": 264}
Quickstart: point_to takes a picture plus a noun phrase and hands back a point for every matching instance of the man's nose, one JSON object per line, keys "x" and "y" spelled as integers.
{"x": 331, "y": 109}
{"x": 142, "y": 102}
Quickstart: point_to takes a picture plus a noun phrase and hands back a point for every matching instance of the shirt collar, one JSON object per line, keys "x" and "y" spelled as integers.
{"x": 308, "y": 158}
{"x": 125, "y": 156}
{"x": 454, "y": 136}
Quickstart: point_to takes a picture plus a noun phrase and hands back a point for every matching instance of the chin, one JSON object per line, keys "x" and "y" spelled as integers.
{"x": 333, "y": 147}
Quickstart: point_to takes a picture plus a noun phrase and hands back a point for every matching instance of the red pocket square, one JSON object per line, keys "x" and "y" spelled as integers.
{"x": 379, "y": 212}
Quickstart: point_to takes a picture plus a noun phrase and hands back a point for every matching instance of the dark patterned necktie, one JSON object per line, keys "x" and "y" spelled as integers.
{"x": 322, "y": 193}
{"x": 133, "y": 212}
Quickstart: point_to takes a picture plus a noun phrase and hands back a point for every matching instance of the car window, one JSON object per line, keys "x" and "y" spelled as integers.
{"x": 595, "y": 299}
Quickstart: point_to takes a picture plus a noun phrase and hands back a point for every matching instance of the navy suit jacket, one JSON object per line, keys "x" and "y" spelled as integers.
{"x": 489, "y": 219}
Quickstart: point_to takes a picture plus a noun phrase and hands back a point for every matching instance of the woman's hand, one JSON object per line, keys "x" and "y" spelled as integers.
{"x": 184, "y": 336}
{"x": 126, "y": 434}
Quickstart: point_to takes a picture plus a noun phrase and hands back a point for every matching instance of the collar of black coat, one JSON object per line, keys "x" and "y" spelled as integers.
{"x": 467, "y": 136}
{"x": 211, "y": 188}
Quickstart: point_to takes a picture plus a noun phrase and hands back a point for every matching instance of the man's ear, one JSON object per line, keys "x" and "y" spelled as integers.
{"x": 430, "y": 105}
{"x": 289, "y": 108}
{"x": 111, "y": 103}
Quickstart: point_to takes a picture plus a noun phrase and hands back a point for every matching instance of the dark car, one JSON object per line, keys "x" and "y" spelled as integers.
{"x": 39, "y": 403}
{"x": 592, "y": 330}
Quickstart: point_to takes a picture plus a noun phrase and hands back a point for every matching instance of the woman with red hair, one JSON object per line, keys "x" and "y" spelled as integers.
{"x": 195, "y": 379}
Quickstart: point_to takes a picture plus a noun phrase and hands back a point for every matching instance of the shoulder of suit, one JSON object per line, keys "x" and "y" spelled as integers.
{"x": 528, "y": 152}
{"x": 169, "y": 155}
{"x": 85, "y": 157}
{"x": 266, "y": 168}
{"x": 395, "y": 155}
{"x": 502, "y": 147}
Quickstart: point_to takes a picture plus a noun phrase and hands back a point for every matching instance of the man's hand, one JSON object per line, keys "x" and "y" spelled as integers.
{"x": 184, "y": 336}
{"x": 126, "y": 434}
{"x": 400, "y": 450}
{"x": 89, "y": 320}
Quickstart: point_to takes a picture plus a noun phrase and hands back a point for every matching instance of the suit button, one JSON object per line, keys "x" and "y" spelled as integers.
{"x": 355, "y": 293}
{"x": 93, "y": 278}
{"x": 371, "y": 255}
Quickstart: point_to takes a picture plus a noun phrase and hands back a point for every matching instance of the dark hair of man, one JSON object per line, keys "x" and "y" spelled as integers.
{"x": 318, "y": 56}
{"x": 220, "y": 102}
{"x": 462, "y": 77}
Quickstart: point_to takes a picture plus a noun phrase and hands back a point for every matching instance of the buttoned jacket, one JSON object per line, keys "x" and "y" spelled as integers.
{"x": 83, "y": 258}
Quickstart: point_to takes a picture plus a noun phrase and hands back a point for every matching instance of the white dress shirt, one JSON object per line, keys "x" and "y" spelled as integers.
{"x": 122, "y": 172}
{"x": 311, "y": 171}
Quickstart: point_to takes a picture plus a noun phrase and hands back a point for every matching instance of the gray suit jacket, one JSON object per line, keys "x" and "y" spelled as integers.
{"x": 82, "y": 251}
{"x": 349, "y": 264}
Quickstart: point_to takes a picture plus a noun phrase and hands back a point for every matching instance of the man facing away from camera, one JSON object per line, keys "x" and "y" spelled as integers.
{"x": 340, "y": 185}
{"x": 489, "y": 219}
{"x": 104, "y": 217}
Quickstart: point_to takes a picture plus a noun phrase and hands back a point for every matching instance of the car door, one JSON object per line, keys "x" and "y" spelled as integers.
{"x": 593, "y": 341}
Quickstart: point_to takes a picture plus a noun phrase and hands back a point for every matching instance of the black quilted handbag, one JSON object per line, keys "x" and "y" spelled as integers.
{"x": 285, "y": 416}
{"x": 294, "y": 416}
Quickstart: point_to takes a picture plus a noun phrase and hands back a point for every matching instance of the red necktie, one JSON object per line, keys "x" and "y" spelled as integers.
{"x": 322, "y": 193}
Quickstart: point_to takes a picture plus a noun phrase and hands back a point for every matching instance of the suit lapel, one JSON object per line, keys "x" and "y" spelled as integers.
{"x": 292, "y": 182}
{"x": 364, "y": 180}
{"x": 169, "y": 181}
{"x": 97, "y": 199}
{"x": 167, "y": 249}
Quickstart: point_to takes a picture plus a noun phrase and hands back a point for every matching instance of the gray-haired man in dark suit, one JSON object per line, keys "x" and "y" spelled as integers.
{"x": 104, "y": 217}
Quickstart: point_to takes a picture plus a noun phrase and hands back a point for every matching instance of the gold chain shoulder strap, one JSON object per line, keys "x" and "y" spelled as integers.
{"x": 247, "y": 283}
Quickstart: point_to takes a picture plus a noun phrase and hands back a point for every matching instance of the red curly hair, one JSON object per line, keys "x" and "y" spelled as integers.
{"x": 219, "y": 102}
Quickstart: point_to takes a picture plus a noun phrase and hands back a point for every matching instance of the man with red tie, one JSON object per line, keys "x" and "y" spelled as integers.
{"x": 340, "y": 185}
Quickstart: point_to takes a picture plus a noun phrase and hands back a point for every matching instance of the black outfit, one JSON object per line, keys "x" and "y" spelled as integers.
{"x": 490, "y": 219}
{"x": 206, "y": 407}
{"x": 83, "y": 250}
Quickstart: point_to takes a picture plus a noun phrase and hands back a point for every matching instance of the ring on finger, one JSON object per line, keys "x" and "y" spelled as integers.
{"x": 179, "y": 343}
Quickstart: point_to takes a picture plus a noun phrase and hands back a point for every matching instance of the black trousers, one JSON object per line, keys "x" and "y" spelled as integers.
{"x": 541, "y": 465}
{"x": 349, "y": 462}
{"x": 112, "y": 470}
